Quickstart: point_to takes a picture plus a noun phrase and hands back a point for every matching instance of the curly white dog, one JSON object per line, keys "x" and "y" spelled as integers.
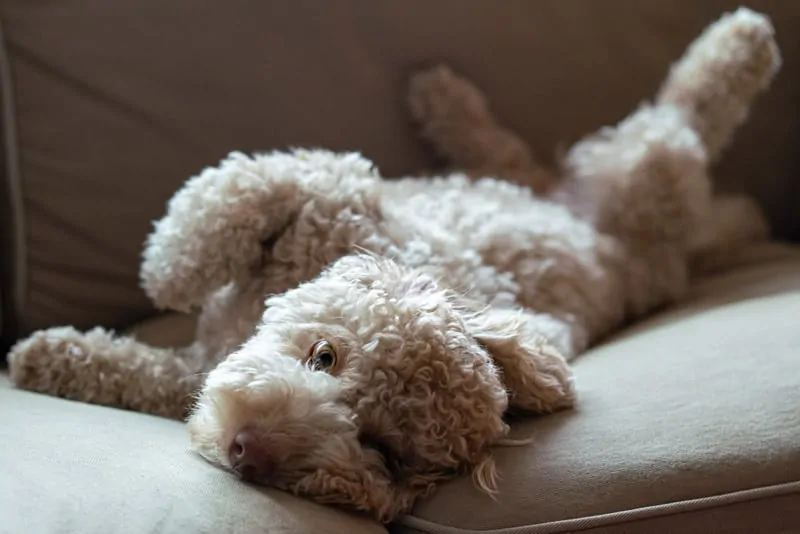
{"x": 404, "y": 318}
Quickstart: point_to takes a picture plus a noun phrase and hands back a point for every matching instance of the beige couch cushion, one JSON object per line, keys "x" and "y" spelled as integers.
{"x": 117, "y": 103}
{"x": 72, "y": 468}
{"x": 687, "y": 423}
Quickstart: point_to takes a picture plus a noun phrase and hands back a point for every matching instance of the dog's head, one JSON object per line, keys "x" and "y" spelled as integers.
{"x": 360, "y": 388}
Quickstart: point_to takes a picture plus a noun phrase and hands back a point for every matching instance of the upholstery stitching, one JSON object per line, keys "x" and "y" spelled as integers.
{"x": 624, "y": 516}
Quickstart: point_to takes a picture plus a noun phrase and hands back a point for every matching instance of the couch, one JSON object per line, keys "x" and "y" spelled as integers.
{"x": 687, "y": 422}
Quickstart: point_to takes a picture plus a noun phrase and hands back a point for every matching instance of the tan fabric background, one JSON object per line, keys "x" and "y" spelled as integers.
{"x": 119, "y": 102}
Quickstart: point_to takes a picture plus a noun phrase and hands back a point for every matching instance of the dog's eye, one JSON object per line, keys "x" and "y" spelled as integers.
{"x": 323, "y": 356}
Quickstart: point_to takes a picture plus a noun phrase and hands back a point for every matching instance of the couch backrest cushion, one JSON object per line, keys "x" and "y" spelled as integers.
{"x": 117, "y": 103}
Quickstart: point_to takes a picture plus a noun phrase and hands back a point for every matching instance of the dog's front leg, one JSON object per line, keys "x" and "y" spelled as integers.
{"x": 98, "y": 368}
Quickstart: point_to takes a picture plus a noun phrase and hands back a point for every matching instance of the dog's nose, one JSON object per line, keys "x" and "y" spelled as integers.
{"x": 248, "y": 457}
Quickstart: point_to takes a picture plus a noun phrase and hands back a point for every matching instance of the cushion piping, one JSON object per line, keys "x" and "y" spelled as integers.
{"x": 13, "y": 266}
{"x": 585, "y": 523}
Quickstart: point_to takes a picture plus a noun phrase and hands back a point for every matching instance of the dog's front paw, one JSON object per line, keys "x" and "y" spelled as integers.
{"x": 51, "y": 361}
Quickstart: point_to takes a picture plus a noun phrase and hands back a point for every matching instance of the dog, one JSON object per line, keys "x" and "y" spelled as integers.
{"x": 363, "y": 339}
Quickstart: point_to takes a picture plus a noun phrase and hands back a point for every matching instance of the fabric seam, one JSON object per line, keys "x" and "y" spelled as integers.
{"x": 17, "y": 275}
{"x": 624, "y": 516}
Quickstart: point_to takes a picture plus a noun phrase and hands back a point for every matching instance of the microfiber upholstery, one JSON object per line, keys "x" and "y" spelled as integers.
{"x": 115, "y": 104}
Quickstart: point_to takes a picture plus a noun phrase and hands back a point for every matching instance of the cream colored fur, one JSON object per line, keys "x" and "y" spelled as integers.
{"x": 448, "y": 300}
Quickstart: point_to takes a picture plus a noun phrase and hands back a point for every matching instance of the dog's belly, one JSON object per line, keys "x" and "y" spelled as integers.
{"x": 450, "y": 212}
{"x": 498, "y": 244}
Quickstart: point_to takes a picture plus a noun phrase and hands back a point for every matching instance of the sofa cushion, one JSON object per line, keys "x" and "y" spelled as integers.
{"x": 74, "y": 468}
{"x": 117, "y": 103}
{"x": 689, "y": 422}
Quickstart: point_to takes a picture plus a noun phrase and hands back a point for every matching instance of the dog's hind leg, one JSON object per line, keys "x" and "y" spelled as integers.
{"x": 720, "y": 75}
{"x": 645, "y": 181}
{"x": 99, "y": 368}
{"x": 454, "y": 117}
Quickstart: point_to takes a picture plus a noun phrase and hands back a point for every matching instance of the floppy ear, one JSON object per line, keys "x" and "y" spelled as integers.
{"x": 214, "y": 229}
{"x": 523, "y": 345}
{"x": 219, "y": 224}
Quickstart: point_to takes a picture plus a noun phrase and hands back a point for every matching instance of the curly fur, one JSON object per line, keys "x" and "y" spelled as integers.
{"x": 449, "y": 300}
{"x": 738, "y": 51}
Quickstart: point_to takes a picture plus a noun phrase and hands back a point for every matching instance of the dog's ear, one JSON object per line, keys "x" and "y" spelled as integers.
{"x": 219, "y": 224}
{"x": 214, "y": 229}
{"x": 524, "y": 346}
